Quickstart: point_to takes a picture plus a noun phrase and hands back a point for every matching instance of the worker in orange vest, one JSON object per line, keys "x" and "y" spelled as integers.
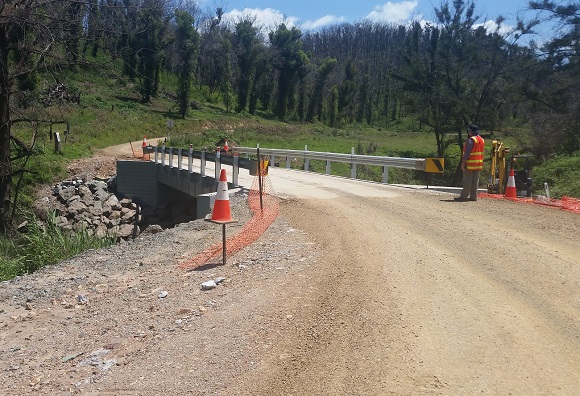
{"x": 471, "y": 164}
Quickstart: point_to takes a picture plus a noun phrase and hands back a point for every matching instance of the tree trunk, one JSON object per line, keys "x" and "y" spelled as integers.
{"x": 5, "y": 165}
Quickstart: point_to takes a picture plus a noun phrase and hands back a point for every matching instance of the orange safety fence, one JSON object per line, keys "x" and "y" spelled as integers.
{"x": 566, "y": 203}
{"x": 251, "y": 231}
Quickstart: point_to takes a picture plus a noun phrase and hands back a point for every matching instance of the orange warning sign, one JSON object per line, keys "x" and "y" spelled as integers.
{"x": 434, "y": 165}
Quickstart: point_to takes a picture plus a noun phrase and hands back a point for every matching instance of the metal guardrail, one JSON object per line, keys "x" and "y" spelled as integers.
{"x": 160, "y": 154}
{"x": 353, "y": 159}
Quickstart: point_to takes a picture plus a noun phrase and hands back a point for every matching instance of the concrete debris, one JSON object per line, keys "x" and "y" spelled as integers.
{"x": 208, "y": 285}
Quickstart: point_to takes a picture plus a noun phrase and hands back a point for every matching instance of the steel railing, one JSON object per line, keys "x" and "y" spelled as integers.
{"x": 353, "y": 159}
{"x": 160, "y": 153}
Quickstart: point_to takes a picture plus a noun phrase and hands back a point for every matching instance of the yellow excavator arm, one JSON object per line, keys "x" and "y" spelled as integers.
{"x": 497, "y": 172}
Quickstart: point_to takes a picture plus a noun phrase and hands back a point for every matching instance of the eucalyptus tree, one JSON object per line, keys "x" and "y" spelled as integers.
{"x": 152, "y": 22}
{"x": 94, "y": 22}
{"x": 290, "y": 62}
{"x": 317, "y": 97}
{"x": 226, "y": 78}
{"x": 347, "y": 93}
{"x": 187, "y": 45}
{"x": 214, "y": 54}
{"x": 333, "y": 108}
{"x": 72, "y": 29}
{"x": 263, "y": 84}
{"x": 247, "y": 47}
{"x": 123, "y": 16}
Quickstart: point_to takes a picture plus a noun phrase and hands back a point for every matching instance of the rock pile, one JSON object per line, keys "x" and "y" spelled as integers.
{"x": 94, "y": 206}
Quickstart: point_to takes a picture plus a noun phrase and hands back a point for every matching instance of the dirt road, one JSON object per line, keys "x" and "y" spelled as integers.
{"x": 417, "y": 295}
{"x": 356, "y": 289}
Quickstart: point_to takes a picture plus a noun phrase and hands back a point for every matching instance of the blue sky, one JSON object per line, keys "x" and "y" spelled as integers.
{"x": 312, "y": 14}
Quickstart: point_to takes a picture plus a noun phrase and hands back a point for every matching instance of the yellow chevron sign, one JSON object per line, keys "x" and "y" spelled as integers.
{"x": 434, "y": 165}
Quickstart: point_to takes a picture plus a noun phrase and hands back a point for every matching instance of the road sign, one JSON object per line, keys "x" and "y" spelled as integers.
{"x": 434, "y": 165}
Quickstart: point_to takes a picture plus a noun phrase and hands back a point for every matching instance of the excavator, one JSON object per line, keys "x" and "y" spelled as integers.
{"x": 501, "y": 164}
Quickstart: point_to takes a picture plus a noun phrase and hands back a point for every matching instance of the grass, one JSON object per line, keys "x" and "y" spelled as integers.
{"x": 562, "y": 175}
{"x": 44, "y": 244}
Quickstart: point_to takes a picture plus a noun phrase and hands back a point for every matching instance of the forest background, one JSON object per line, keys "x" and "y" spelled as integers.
{"x": 104, "y": 72}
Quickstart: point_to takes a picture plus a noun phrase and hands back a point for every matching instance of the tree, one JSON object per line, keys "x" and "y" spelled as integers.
{"x": 226, "y": 80}
{"x": 187, "y": 43}
{"x": 347, "y": 93}
{"x": 247, "y": 49}
{"x": 213, "y": 58}
{"x": 290, "y": 62}
{"x": 31, "y": 41}
{"x": 94, "y": 27}
{"x": 151, "y": 29}
{"x": 316, "y": 100}
{"x": 333, "y": 116}
{"x": 262, "y": 84}
{"x": 555, "y": 90}
{"x": 364, "y": 112}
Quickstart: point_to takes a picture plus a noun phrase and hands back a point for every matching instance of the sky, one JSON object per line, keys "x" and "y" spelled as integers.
{"x": 314, "y": 14}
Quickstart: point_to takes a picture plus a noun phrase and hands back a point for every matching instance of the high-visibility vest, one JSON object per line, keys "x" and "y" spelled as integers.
{"x": 475, "y": 160}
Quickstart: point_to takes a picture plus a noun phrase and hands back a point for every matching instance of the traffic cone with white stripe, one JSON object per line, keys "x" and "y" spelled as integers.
{"x": 146, "y": 156}
{"x": 226, "y": 147}
{"x": 221, "y": 208}
{"x": 510, "y": 190}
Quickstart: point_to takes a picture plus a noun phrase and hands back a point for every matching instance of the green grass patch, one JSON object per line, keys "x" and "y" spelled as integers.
{"x": 562, "y": 175}
{"x": 44, "y": 244}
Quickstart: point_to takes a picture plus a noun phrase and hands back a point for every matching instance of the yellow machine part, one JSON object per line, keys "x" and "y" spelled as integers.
{"x": 497, "y": 172}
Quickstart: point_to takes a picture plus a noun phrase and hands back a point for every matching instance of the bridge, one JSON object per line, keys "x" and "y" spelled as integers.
{"x": 170, "y": 175}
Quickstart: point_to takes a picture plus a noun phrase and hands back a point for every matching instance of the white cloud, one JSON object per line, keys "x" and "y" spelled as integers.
{"x": 393, "y": 12}
{"x": 492, "y": 27}
{"x": 321, "y": 22}
{"x": 267, "y": 18}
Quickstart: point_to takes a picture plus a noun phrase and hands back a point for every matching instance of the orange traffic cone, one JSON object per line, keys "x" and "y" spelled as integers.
{"x": 221, "y": 208}
{"x": 146, "y": 157}
{"x": 226, "y": 148}
{"x": 510, "y": 190}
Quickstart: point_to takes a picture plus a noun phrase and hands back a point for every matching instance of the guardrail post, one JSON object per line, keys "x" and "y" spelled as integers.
{"x": 218, "y": 165}
{"x": 170, "y": 157}
{"x": 236, "y": 169}
{"x": 190, "y": 159}
{"x": 386, "y": 174}
{"x": 156, "y": 149}
{"x": 328, "y": 167}
{"x": 271, "y": 159}
{"x": 288, "y": 161}
{"x": 163, "y": 155}
{"x": 179, "y": 158}
{"x": 306, "y": 160}
{"x": 202, "y": 170}
{"x": 352, "y": 165}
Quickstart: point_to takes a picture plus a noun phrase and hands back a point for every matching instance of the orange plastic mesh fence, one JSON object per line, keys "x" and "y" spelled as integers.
{"x": 566, "y": 203}
{"x": 251, "y": 231}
